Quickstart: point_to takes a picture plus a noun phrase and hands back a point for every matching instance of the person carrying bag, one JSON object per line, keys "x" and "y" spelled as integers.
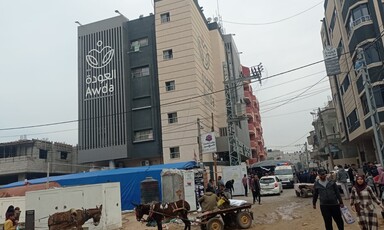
{"x": 362, "y": 199}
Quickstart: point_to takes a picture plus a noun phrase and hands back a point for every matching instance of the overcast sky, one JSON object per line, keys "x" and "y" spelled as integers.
{"x": 38, "y": 56}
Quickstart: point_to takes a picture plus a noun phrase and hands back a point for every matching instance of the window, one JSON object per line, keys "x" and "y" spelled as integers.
{"x": 143, "y": 135}
{"x": 136, "y": 44}
{"x": 340, "y": 48}
{"x": 345, "y": 85}
{"x": 371, "y": 54}
{"x": 358, "y": 15}
{"x": 332, "y": 23}
{"x": 165, "y": 17}
{"x": 43, "y": 154}
{"x": 167, "y": 54}
{"x": 353, "y": 121}
{"x": 172, "y": 118}
{"x": 140, "y": 72}
{"x": 63, "y": 155}
{"x": 223, "y": 132}
{"x": 170, "y": 85}
{"x": 174, "y": 152}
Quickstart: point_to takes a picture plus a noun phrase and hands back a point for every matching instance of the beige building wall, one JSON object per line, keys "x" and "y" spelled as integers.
{"x": 185, "y": 32}
{"x": 217, "y": 62}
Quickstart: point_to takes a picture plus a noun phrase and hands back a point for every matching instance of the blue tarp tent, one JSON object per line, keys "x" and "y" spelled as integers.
{"x": 129, "y": 179}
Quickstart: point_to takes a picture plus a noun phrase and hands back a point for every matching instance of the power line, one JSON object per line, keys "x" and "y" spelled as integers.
{"x": 273, "y": 22}
{"x": 295, "y": 96}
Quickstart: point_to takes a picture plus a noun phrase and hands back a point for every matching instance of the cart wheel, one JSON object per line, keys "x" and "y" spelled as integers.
{"x": 304, "y": 193}
{"x": 203, "y": 227}
{"x": 215, "y": 224}
{"x": 244, "y": 220}
{"x": 297, "y": 193}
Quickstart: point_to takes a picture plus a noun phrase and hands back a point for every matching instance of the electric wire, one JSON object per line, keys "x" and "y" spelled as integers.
{"x": 273, "y": 22}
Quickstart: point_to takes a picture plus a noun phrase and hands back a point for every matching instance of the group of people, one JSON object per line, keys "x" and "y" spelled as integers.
{"x": 214, "y": 193}
{"x": 362, "y": 197}
{"x": 216, "y": 196}
{"x": 12, "y": 216}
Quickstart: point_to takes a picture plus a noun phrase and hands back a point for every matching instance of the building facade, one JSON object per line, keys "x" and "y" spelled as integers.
{"x": 347, "y": 26}
{"x": 149, "y": 87}
{"x": 30, "y": 159}
{"x": 254, "y": 120}
{"x": 119, "y": 114}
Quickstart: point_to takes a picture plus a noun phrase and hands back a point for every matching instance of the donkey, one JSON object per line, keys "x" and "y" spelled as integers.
{"x": 74, "y": 218}
{"x": 159, "y": 211}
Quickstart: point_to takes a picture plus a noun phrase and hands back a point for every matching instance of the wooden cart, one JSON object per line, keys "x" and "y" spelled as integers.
{"x": 233, "y": 217}
{"x": 303, "y": 189}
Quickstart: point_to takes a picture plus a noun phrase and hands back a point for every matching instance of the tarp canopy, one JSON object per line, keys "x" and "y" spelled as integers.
{"x": 267, "y": 163}
{"x": 129, "y": 178}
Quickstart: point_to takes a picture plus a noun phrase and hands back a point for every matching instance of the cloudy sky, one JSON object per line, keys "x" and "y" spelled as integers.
{"x": 38, "y": 56}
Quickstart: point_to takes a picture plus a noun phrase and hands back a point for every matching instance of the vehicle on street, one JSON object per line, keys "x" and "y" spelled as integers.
{"x": 270, "y": 185}
{"x": 286, "y": 174}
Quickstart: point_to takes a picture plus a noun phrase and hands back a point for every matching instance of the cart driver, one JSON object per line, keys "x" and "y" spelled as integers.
{"x": 209, "y": 200}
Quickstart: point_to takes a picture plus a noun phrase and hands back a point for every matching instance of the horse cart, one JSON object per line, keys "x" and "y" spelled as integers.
{"x": 232, "y": 217}
{"x": 303, "y": 189}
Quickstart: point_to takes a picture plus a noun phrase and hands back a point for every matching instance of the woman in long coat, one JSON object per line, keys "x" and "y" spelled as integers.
{"x": 362, "y": 199}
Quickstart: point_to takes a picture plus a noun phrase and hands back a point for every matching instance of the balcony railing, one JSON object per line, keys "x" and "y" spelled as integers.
{"x": 355, "y": 23}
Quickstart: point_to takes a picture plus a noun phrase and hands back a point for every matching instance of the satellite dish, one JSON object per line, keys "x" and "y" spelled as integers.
{"x": 215, "y": 19}
{"x": 209, "y": 19}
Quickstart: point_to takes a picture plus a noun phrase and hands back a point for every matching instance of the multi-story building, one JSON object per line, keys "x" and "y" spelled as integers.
{"x": 29, "y": 159}
{"x": 349, "y": 25}
{"x": 254, "y": 120}
{"x": 119, "y": 115}
{"x": 148, "y": 88}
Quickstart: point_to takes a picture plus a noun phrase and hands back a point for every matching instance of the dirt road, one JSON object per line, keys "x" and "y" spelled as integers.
{"x": 275, "y": 213}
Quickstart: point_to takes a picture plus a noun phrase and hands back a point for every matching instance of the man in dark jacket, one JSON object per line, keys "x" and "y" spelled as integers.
{"x": 330, "y": 201}
{"x": 229, "y": 186}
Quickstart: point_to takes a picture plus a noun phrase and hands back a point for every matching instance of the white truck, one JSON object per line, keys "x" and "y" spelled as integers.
{"x": 286, "y": 173}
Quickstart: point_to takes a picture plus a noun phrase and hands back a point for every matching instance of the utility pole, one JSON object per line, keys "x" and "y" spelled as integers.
{"x": 361, "y": 67}
{"x": 326, "y": 139}
{"x": 306, "y": 154}
{"x": 199, "y": 141}
{"x": 231, "y": 84}
{"x": 214, "y": 155}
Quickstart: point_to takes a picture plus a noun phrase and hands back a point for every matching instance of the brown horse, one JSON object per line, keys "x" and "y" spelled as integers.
{"x": 159, "y": 211}
{"x": 74, "y": 218}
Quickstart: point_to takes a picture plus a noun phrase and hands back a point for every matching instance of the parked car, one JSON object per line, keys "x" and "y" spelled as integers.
{"x": 270, "y": 185}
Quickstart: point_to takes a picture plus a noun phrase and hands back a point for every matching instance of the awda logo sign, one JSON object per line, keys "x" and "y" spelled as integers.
{"x": 100, "y": 84}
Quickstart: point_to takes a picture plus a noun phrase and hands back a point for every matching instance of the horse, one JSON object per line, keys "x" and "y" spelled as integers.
{"x": 74, "y": 218}
{"x": 159, "y": 211}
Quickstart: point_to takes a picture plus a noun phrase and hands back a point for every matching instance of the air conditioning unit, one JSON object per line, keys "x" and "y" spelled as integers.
{"x": 145, "y": 163}
{"x": 240, "y": 109}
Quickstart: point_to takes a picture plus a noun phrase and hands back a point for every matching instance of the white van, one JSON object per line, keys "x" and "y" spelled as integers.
{"x": 286, "y": 173}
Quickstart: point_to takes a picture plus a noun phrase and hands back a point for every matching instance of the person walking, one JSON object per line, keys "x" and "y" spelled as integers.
{"x": 255, "y": 187}
{"x": 362, "y": 199}
{"x": 342, "y": 177}
{"x": 330, "y": 201}
{"x": 245, "y": 184}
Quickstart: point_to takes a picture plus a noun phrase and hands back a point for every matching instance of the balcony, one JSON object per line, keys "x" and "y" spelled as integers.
{"x": 254, "y": 145}
{"x": 258, "y": 126}
{"x": 251, "y": 128}
{"x": 249, "y": 113}
{"x": 247, "y": 97}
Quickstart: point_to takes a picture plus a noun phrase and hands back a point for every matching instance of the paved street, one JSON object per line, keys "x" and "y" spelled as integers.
{"x": 275, "y": 213}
